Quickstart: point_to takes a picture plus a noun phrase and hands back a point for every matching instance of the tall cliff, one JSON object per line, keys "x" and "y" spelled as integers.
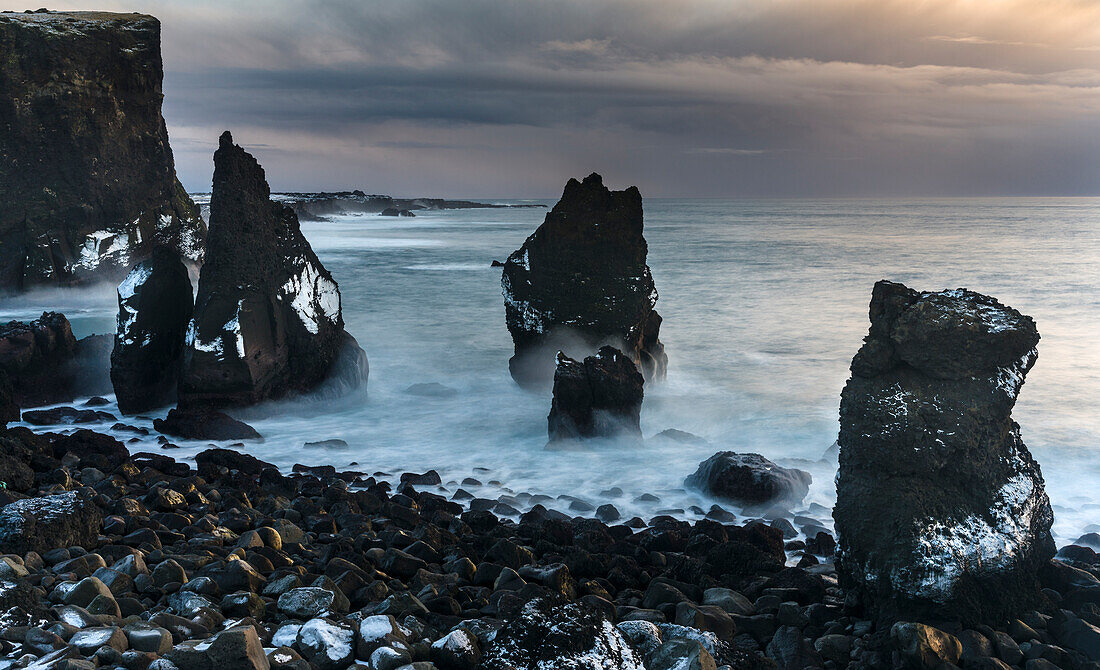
{"x": 87, "y": 180}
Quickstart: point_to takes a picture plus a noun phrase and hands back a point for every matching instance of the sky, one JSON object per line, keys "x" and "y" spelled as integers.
{"x": 683, "y": 98}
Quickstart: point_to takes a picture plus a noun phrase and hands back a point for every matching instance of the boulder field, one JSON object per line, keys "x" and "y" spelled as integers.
{"x": 113, "y": 559}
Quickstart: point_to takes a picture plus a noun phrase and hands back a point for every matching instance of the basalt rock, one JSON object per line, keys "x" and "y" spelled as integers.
{"x": 201, "y": 423}
{"x": 581, "y": 281}
{"x": 568, "y": 636}
{"x": 154, "y": 307}
{"x": 941, "y": 510}
{"x": 87, "y": 178}
{"x": 598, "y": 397}
{"x": 267, "y": 318}
{"x": 40, "y": 524}
{"x": 750, "y": 479}
{"x": 44, "y": 363}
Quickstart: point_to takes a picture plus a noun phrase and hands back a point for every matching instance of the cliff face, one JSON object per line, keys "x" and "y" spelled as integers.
{"x": 87, "y": 179}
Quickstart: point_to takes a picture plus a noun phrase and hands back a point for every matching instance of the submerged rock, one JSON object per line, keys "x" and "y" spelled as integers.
{"x": 750, "y": 479}
{"x": 598, "y": 397}
{"x": 581, "y": 281}
{"x": 154, "y": 307}
{"x": 45, "y": 364}
{"x": 267, "y": 317}
{"x": 940, "y": 507}
{"x": 87, "y": 178}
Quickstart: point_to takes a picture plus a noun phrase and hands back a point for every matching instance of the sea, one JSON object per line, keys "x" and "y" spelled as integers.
{"x": 764, "y": 304}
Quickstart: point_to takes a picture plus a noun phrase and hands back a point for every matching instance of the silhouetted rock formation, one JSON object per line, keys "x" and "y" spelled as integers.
{"x": 750, "y": 479}
{"x": 87, "y": 179}
{"x": 940, "y": 508}
{"x": 154, "y": 307}
{"x": 581, "y": 281}
{"x": 599, "y": 397}
{"x": 267, "y": 317}
{"x": 44, "y": 363}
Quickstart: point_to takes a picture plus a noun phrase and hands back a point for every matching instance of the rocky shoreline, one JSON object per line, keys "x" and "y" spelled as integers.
{"x": 143, "y": 561}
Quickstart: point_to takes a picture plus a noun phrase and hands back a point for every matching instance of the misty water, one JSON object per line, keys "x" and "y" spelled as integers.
{"x": 764, "y": 304}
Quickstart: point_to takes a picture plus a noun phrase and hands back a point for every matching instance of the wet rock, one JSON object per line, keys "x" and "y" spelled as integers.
{"x": 237, "y": 648}
{"x": 40, "y": 524}
{"x": 154, "y": 307}
{"x": 567, "y": 636}
{"x": 93, "y": 449}
{"x": 599, "y": 397}
{"x": 749, "y": 479}
{"x": 381, "y": 631}
{"x": 581, "y": 281}
{"x": 91, "y": 639}
{"x": 924, "y": 646}
{"x": 83, "y": 195}
{"x": 431, "y": 390}
{"x": 65, "y": 415}
{"x": 394, "y": 211}
{"x": 326, "y": 644}
{"x": 791, "y": 651}
{"x": 681, "y": 654}
{"x": 9, "y": 406}
{"x": 457, "y": 650}
{"x": 204, "y": 424}
{"x": 147, "y": 637}
{"x": 307, "y": 602}
{"x": 37, "y": 358}
{"x": 929, "y": 403}
{"x": 267, "y": 317}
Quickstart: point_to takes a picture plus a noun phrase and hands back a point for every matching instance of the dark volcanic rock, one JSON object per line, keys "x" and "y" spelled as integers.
{"x": 45, "y": 364}
{"x": 9, "y": 408}
{"x": 40, "y": 524}
{"x": 87, "y": 179}
{"x": 204, "y": 424}
{"x": 749, "y": 479}
{"x": 567, "y": 636}
{"x": 581, "y": 281}
{"x": 154, "y": 307}
{"x": 599, "y": 397}
{"x": 940, "y": 507}
{"x": 267, "y": 317}
{"x": 393, "y": 211}
{"x": 57, "y": 415}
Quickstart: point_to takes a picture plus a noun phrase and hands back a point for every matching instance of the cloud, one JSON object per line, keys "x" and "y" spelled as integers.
{"x": 493, "y": 98}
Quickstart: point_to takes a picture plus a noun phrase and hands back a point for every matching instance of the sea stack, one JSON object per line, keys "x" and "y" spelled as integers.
{"x": 267, "y": 318}
{"x": 581, "y": 281}
{"x": 87, "y": 179}
{"x": 941, "y": 511}
{"x": 155, "y": 303}
{"x": 598, "y": 397}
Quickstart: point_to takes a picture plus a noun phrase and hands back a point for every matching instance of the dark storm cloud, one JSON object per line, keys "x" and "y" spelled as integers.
{"x": 499, "y": 98}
